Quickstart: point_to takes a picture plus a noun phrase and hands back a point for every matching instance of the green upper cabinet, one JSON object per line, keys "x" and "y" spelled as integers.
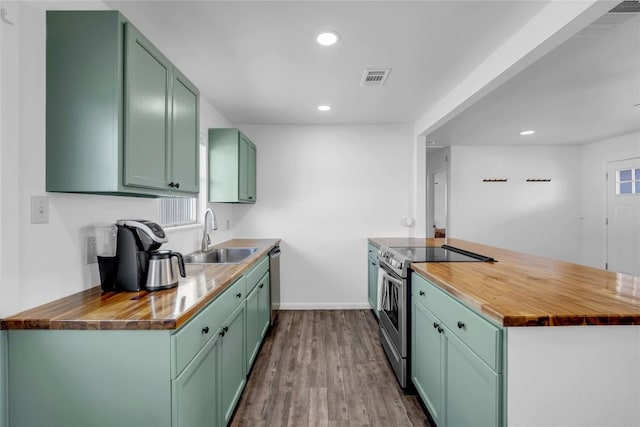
{"x": 121, "y": 119}
{"x": 232, "y": 167}
{"x": 185, "y": 134}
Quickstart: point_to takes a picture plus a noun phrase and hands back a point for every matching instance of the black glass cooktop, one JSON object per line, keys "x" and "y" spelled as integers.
{"x": 442, "y": 253}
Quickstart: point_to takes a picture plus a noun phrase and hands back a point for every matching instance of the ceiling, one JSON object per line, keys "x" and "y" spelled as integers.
{"x": 586, "y": 90}
{"x": 257, "y": 62}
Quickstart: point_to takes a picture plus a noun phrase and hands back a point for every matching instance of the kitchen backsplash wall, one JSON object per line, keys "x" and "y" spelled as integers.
{"x": 324, "y": 190}
{"x": 42, "y": 262}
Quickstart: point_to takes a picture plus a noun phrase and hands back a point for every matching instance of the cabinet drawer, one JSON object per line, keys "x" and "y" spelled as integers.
{"x": 477, "y": 333}
{"x": 255, "y": 274}
{"x": 373, "y": 251}
{"x": 189, "y": 339}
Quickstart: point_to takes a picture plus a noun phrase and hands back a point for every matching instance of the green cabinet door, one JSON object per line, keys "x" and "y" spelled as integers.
{"x": 185, "y": 172}
{"x": 427, "y": 359}
{"x": 232, "y": 354}
{"x": 147, "y": 104}
{"x": 195, "y": 393}
{"x": 472, "y": 388}
{"x": 251, "y": 173}
{"x": 253, "y": 326}
{"x": 264, "y": 307}
{"x": 247, "y": 169}
{"x": 372, "y": 277}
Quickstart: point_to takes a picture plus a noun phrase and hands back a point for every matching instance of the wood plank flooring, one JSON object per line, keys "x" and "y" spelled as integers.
{"x": 325, "y": 368}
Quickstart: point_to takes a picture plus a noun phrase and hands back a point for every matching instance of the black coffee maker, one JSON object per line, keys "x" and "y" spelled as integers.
{"x": 127, "y": 271}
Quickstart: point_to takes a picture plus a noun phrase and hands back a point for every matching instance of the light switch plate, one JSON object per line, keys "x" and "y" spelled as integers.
{"x": 39, "y": 209}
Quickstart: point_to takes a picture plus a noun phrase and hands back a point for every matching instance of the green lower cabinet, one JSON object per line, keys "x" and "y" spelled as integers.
{"x": 3, "y": 376}
{"x": 372, "y": 277}
{"x": 253, "y": 342}
{"x": 428, "y": 357}
{"x": 258, "y": 313}
{"x": 232, "y": 354}
{"x": 264, "y": 307}
{"x": 65, "y": 378}
{"x": 195, "y": 391}
{"x": 472, "y": 388}
{"x": 456, "y": 385}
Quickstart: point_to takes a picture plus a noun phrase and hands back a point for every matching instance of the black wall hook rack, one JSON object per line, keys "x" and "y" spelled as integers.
{"x": 495, "y": 180}
{"x": 538, "y": 179}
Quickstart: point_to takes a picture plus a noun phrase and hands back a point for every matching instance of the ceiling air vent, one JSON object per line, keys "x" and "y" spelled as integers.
{"x": 627, "y": 7}
{"x": 607, "y": 22}
{"x": 375, "y": 76}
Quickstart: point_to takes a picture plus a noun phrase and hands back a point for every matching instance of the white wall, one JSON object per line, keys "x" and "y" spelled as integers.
{"x": 573, "y": 376}
{"x": 43, "y": 262}
{"x": 595, "y": 157}
{"x": 536, "y": 218}
{"x": 324, "y": 190}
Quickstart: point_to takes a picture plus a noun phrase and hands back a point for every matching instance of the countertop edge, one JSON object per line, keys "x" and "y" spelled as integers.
{"x": 19, "y": 321}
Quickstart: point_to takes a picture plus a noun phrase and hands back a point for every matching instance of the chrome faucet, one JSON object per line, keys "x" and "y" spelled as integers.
{"x": 208, "y": 229}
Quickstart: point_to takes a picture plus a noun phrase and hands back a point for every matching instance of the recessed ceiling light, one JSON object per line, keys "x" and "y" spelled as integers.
{"x": 527, "y": 132}
{"x": 324, "y": 107}
{"x": 328, "y": 38}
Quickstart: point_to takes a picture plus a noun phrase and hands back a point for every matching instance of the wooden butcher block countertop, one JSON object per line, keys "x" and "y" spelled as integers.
{"x": 166, "y": 309}
{"x": 526, "y": 290}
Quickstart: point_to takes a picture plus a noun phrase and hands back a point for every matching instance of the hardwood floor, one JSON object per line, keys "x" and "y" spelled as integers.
{"x": 325, "y": 368}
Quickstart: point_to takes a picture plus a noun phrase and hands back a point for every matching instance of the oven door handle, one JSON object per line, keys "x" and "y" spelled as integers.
{"x": 388, "y": 276}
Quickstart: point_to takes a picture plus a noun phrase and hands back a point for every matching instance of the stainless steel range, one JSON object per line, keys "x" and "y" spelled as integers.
{"x": 394, "y": 297}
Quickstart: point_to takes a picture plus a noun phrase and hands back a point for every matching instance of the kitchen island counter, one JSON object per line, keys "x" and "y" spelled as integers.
{"x": 551, "y": 376}
{"x": 527, "y": 290}
{"x": 166, "y": 309}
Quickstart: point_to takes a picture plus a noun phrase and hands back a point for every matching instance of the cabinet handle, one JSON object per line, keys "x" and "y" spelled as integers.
{"x": 171, "y": 184}
{"x": 250, "y": 197}
{"x": 261, "y": 285}
{"x": 435, "y": 325}
{"x": 461, "y": 325}
{"x": 440, "y": 330}
{"x": 421, "y": 293}
{"x": 205, "y": 330}
{"x": 225, "y": 329}
{"x": 239, "y": 295}
{"x": 177, "y": 185}
{"x": 221, "y": 333}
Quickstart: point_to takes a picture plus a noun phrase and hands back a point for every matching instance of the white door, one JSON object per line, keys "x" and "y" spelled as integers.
{"x": 623, "y": 216}
{"x": 440, "y": 200}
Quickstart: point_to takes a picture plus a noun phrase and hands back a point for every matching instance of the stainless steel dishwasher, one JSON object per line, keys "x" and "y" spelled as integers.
{"x": 274, "y": 278}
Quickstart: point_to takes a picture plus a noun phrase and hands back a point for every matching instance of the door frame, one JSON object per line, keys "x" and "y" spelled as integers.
{"x": 610, "y": 182}
{"x": 431, "y": 201}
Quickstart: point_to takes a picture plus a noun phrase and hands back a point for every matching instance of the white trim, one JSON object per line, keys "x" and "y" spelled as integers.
{"x": 325, "y": 306}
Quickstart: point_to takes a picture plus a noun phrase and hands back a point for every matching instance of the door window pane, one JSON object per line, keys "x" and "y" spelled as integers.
{"x": 625, "y": 188}
{"x": 625, "y": 175}
{"x": 628, "y": 181}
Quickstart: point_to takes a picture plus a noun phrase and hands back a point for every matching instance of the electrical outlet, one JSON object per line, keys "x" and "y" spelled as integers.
{"x": 91, "y": 250}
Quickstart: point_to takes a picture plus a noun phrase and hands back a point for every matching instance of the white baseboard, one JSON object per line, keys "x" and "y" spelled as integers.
{"x": 324, "y": 306}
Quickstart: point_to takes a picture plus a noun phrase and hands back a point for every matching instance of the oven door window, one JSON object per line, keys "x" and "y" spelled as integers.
{"x": 393, "y": 292}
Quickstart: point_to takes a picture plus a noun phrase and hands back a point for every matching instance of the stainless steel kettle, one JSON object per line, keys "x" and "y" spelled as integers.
{"x": 161, "y": 273}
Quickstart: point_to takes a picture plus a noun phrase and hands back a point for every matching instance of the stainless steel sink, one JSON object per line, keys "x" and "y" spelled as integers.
{"x": 220, "y": 256}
